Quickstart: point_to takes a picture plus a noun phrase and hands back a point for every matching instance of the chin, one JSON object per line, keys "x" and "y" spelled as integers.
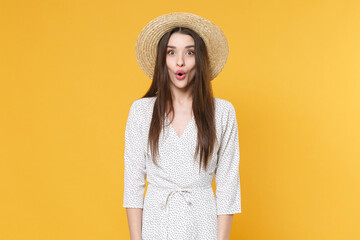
{"x": 180, "y": 83}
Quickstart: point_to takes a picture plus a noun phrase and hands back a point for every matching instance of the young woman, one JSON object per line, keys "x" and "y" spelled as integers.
{"x": 178, "y": 135}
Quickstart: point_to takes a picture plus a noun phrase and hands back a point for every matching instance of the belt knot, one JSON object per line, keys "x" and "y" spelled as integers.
{"x": 182, "y": 191}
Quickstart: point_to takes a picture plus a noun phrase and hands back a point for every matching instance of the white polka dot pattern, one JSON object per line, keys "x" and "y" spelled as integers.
{"x": 179, "y": 202}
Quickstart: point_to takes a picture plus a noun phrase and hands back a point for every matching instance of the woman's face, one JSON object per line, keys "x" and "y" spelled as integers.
{"x": 180, "y": 60}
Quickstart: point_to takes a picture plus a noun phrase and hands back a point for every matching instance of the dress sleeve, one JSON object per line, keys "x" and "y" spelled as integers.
{"x": 227, "y": 178}
{"x": 135, "y": 162}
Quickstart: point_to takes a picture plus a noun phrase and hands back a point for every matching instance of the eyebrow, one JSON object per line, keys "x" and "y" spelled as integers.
{"x": 169, "y": 46}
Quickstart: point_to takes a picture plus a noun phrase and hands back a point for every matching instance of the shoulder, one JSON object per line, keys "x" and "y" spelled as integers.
{"x": 140, "y": 112}
{"x": 142, "y": 104}
{"x": 144, "y": 101}
{"x": 223, "y": 106}
{"x": 225, "y": 113}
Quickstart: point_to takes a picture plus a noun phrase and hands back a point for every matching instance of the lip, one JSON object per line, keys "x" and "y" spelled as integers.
{"x": 179, "y": 71}
{"x": 178, "y": 77}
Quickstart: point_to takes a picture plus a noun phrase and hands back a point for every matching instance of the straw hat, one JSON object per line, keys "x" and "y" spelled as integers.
{"x": 215, "y": 40}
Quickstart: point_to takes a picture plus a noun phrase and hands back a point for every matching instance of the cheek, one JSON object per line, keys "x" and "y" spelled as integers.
{"x": 169, "y": 63}
{"x": 192, "y": 63}
{"x": 193, "y": 69}
{"x": 168, "y": 69}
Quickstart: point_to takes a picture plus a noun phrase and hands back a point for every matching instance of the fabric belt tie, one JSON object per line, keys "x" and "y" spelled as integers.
{"x": 185, "y": 193}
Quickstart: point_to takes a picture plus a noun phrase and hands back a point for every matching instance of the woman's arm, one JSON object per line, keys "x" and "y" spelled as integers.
{"x": 134, "y": 172}
{"x": 134, "y": 217}
{"x": 224, "y": 226}
{"x": 227, "y": 178}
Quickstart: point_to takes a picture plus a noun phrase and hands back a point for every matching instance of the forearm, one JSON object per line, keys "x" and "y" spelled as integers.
{"x": 134, "y": 217}
{"x": 224, "y": 226}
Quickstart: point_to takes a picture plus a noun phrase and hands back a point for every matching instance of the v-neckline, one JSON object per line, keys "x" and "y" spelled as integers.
{"x": 184, "y": 131}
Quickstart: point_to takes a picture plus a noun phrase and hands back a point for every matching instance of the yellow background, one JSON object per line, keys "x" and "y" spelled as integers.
{"x": 69, "y": 75}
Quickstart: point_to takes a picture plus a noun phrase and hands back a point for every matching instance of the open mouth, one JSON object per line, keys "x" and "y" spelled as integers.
{"x": 180, "y": 75}
{"x": 180, "y": 72}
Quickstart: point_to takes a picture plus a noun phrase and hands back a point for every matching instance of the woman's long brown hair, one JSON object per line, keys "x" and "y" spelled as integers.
{"x": 203, "y": 101}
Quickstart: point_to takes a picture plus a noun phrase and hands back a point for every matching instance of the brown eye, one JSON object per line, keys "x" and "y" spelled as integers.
{"x": 170, "y": 51}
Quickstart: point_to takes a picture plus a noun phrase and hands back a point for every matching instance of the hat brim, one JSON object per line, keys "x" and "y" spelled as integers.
{"x": 215, "y": 40}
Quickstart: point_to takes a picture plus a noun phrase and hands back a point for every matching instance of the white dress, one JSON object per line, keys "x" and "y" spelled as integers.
{"x": 179, "y": 203}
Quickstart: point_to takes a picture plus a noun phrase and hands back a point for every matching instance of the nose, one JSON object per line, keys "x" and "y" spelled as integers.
{"x": 180, "y": 61}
